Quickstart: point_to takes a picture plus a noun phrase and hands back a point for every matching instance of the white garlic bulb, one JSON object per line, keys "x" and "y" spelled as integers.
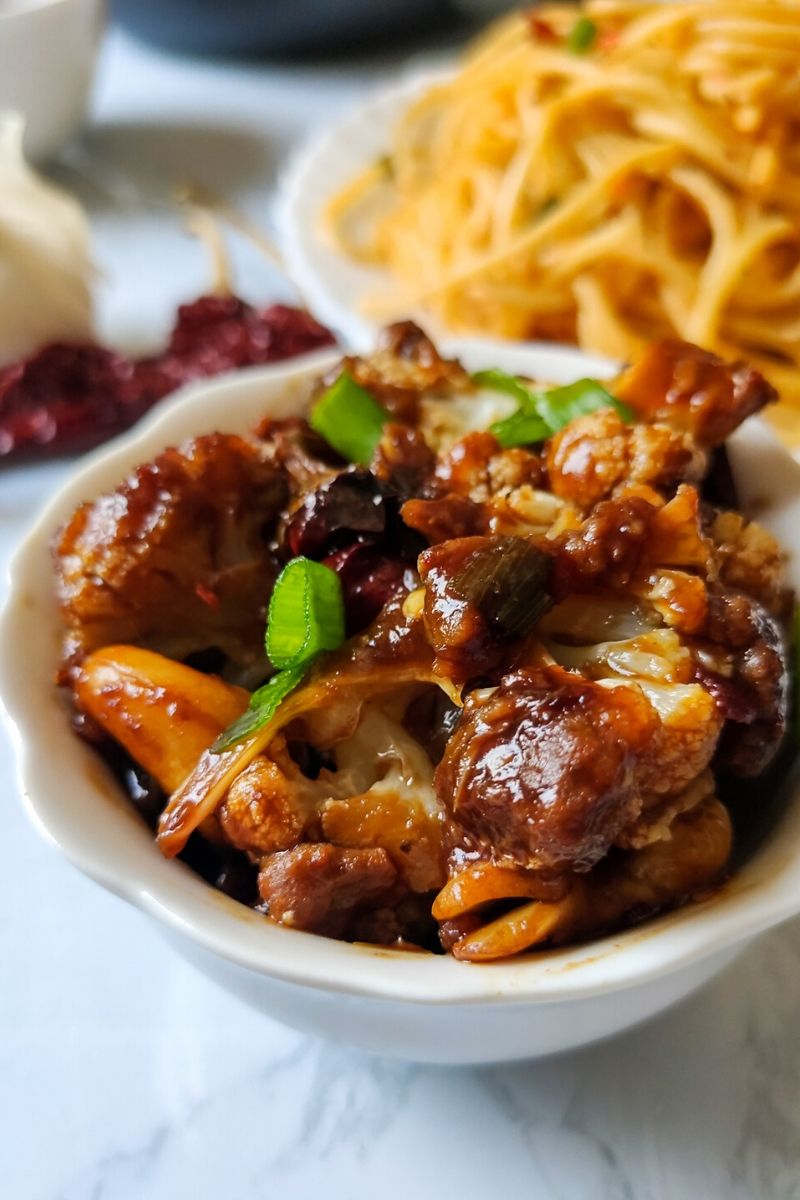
{"x": 45, "y": 266}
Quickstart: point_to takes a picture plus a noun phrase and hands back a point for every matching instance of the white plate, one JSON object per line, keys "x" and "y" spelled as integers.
{"x": 416, "y": 1006}
{"x": 333, "y": 285}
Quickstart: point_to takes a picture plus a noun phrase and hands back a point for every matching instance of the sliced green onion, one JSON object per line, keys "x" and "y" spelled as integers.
{"x": 561, "y": 405}
{"x": 581, "y": 37}
{"x": 306, "y": 613}
{"x": 525, "y": 426}
{"x": 500, "y": 381}
{"x": 263, "y": 706}
{"x": 520, "y": 429}
{"x": 350, "y": 419}
{"x": 541, "y": 414}
{"x": 305, "y": 618}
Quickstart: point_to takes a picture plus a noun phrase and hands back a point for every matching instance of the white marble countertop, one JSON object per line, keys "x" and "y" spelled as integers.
{"x": 126, "y": 1076}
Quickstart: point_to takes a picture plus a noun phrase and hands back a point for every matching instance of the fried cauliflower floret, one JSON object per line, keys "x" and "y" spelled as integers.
{"x": 692, "y": 390}
{"x": 679, "y": 598}
{"x": 479, "y": 469}
{"x": 270, "y": 806}
{"x": 664, "y": 873}
{"x": 176, "y": 558}
{"x": 598, "y": 453}
{"x": 690, "y": 725}
{"x": 749, "y": 559}
{"x": 625, "y": 538}
{"x": 405, "y": 366}
{"x": 477, "y": 487}
{"x": 743, "y": 662}
{"x": 382, "y": 795}
{"x": 690, "y": 721}
{"x": 657, "y": 822}
{"x": 541, "y": 773}
{"x": 377, "y": 792}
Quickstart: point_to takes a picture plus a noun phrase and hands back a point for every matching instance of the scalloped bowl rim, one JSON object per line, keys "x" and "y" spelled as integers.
{"x": 78, "y": 806}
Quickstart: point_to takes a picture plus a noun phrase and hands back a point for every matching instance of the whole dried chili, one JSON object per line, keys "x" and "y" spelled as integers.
{"x": 67, "y": 398}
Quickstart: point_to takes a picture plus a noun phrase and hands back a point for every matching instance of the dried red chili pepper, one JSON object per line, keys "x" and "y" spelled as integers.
{"x": 67, "y": 398}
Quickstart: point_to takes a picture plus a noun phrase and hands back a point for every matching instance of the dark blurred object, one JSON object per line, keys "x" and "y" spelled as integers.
{"x": 67, "y": 398}
{"x": 248, "y": 28}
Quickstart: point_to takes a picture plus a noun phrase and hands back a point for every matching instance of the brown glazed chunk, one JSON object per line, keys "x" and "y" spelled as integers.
{"x": 176, "y": 558}
{"x": 318, "y": 887}
{"x": 542, "y": 773}
{"x": 403, "y": 459}
{"x": 305, "y": 456}
{"x": 606, "y": 549}
{"x": 464, "y": 644}
{"x": 464, "y": 470}
{"x": 597, "y": 453}
{"x": 450, "y": 516}
{"x": 405, "y": 366}
{"x": 693, "y": 390}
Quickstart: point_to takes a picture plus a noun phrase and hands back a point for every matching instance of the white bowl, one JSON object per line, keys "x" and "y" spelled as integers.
{"x": 47, "y": 54}
{"x": 415, "y": 1006}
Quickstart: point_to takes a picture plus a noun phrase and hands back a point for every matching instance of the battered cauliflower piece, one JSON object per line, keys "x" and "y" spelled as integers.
{"x": 623, "y": 539}
{"x": 599, "y": 453}
{"x": 176, "y": 559}
{"x": 478, "y": 468}
{"x": 690, "y": 725}
{"x": 661, "y": 874}
{"x": 271, "y": 806}
{"x": 749, "y": 559}
{"x": 404, "y": 367}
{"x": 378, "y": 794}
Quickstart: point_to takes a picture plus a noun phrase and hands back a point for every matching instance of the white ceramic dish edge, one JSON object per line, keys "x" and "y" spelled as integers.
{"x": 89, "y": 820}
{"x": 331, "y": 284}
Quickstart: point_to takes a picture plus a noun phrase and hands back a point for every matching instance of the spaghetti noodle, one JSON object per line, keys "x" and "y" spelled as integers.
{"x": 641, "y": 179}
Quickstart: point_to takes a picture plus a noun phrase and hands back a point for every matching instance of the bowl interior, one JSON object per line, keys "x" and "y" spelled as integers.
{"x": 78, "y": 805}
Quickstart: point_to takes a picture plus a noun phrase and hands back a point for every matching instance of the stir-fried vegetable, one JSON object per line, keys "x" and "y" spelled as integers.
{"x": 349, "y": 418}
{"x": 306, "y": 617}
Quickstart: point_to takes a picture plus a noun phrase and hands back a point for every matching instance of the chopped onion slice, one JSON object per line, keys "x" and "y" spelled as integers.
{"x": 507, "y": 583}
